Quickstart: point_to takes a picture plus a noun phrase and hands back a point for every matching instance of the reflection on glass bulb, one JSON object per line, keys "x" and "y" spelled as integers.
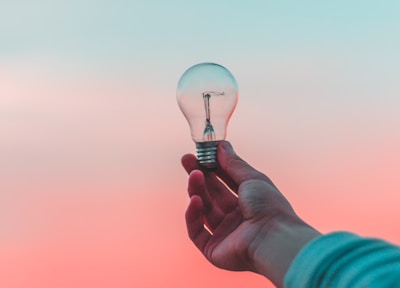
{"x": 207, "y": 94}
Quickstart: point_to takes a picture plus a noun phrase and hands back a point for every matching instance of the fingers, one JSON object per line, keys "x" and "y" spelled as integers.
{"x": 226, "y": 200}
{"x": 215, "y": 190}
{"x": 200, "y": 236}
{"x": 197, "y": 186}
{"x": 189, "y": 162}
{"x": 211, "y": 209}
{"x": 234, "y": 170}
{"x": 195, "y": 225}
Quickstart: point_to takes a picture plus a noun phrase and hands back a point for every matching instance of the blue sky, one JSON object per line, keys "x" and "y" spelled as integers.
{"x": 112, "y": 29}
{"x": 90, "y": 128}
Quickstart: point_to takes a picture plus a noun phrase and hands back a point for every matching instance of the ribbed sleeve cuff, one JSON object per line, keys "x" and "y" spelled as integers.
{"x": 343, "y": 259}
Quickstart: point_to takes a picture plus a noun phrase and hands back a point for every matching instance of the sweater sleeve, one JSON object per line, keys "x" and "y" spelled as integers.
{"x": 343, "y": 259}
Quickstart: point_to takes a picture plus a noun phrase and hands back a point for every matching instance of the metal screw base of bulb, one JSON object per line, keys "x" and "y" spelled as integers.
{"x": 207, "y": 154}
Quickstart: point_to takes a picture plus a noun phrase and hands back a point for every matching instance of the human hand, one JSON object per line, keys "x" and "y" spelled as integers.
{"x": 244, "y": 231}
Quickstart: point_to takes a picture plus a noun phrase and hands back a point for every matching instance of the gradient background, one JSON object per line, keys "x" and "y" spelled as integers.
{"x": 92, "y": 193}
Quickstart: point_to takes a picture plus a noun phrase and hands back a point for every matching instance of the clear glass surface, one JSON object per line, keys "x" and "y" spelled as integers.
{"x": 207, "y": 94}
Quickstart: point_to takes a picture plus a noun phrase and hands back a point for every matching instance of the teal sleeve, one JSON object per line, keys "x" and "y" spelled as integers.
{"x": 343, "y": 259}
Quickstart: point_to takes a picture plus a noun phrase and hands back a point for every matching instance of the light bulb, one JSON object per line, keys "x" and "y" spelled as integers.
{"x": 207, "y": 95}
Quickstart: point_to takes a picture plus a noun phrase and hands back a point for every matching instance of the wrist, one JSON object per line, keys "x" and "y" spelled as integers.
{"x": 279, "y": 241}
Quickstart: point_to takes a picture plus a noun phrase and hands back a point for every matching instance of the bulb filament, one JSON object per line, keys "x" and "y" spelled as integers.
{"x": 209, "y": 133}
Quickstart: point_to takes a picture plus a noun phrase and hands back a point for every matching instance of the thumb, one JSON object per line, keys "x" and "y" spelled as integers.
{"x": 235, "y": 167}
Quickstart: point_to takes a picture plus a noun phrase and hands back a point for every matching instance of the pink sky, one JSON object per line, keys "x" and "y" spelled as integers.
{"x": 91, "y": 189}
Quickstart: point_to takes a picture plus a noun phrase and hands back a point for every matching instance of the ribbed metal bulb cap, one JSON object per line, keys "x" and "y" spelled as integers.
{"x": 207, "y": 154}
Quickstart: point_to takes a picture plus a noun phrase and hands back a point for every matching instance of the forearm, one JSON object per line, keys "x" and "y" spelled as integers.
{"x": 278, "y": 244}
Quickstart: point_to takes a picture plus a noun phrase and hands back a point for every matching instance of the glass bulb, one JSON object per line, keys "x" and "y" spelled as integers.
{"x": 207, "y": 94}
